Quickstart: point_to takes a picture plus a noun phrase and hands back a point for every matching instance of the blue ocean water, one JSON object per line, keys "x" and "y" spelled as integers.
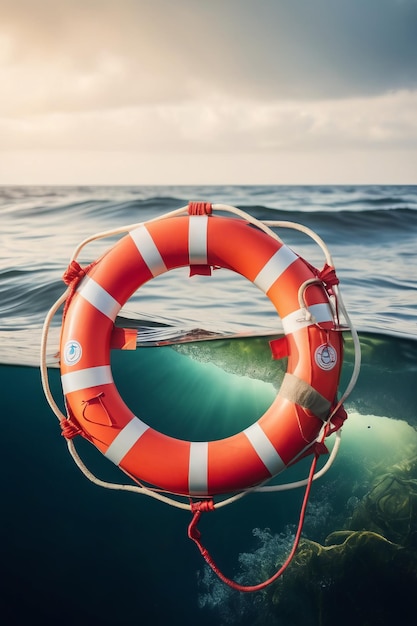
{"x": 77, "y": 554}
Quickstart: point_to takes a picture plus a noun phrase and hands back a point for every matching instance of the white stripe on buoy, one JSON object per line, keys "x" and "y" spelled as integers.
{"x": 274, "y": 268}
{"x": 198, "y": 468}
{"x": 148, "y": 250}
{"x": 264, "y": 449}
{"x": 99, "y": 298}
{"x": 125, "y": 440}
{"x": 197, "y": 239}
{"x": 85, "y": 378}
{"x": 297, "y": 319}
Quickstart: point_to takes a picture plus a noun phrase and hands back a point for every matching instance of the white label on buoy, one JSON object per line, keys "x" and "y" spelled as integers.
{"x": 325, "y": 356}
{"x": 72, "y": 352}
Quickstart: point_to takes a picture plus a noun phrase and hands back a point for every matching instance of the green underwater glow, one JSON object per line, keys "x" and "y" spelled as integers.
{"x": 358, "y": 557}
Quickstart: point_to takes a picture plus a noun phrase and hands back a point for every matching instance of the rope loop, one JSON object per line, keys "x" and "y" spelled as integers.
{"x": 195, "y": 535}
{"x": 97, "y": 398}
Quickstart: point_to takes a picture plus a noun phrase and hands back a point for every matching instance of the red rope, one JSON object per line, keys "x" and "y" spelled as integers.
{"x": 194, "y": 534}
{"x": 328, "y": 276}
{"x": 199, "y": 208}
{"x": 72, "y": 277}
{"x": 337, "y": 420}
{"x": 69, "y": 429}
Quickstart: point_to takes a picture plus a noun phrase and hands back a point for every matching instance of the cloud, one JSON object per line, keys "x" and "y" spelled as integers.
{"x": 94, "y": 54}
{"x": 218, "y": 78}
{"x": 226, "y": 125}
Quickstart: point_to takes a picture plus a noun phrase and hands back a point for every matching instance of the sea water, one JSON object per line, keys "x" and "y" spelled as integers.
{"x": 77, "y": 554}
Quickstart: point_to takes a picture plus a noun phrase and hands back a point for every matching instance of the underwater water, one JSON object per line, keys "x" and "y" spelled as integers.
{"x": 75, "y": 553}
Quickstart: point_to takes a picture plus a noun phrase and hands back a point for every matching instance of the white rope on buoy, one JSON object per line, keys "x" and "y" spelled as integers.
{"x": 266, "y": 226}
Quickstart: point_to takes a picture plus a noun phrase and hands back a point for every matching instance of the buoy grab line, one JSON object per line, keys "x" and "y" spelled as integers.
{"x": 266, "y": 227}
{"x": 69, "y": 430}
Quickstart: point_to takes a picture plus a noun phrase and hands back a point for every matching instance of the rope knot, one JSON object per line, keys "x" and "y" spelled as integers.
{"x": 71, "y": 277}
{"x": 200, "y": 208}
{"x": 202, "y": 506}
{"x": 338, "y": 419}
{"x": 197, "y": 508}
{"x": 320, "y": 448}
{"x": 328, "y": 276}
{"x": 69, "y": 429}
{"x": 73, "y": 273}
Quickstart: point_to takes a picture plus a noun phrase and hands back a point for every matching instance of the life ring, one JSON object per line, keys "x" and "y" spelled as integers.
{"x": 290, "y": 426}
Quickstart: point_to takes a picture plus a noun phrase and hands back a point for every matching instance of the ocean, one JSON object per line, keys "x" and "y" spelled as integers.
{"x": 77, "y": 554}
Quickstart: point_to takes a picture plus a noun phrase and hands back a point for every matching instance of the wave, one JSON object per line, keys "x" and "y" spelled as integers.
{"x": 261, "y": 212}
{"x": 371, "y": 231}
{"x": 274, "y": 197}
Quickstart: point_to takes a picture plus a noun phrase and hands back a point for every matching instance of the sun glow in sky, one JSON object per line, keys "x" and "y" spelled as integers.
{"x": 226, "y": 91}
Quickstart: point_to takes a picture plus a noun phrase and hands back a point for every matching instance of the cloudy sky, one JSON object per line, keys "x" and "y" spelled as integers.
{"x": 208, "y": 91}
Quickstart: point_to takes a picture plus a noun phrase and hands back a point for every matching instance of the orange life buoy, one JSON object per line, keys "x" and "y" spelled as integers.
{"x": 291, "y": 424}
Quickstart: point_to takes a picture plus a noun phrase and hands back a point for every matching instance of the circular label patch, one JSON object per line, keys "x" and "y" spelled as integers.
{"x": 325, "y": 356}
{"x": 72, "y": 352}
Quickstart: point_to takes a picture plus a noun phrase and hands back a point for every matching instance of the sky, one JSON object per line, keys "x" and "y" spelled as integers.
{"x": 208, "y": 92}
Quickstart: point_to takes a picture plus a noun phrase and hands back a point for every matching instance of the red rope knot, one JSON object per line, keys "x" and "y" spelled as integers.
{"x": 328, "y": 276}
{"x": 71, "y": 277}
{"x": 69, "y": 429}
{"x": 200, "y": 208}
{"x": 338, "y": 419}
{"x": 202, "y": 506}
{"x": 197, "y": 508}
{"x": 319, "y": 448}
{"x": 74, "y": 272}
